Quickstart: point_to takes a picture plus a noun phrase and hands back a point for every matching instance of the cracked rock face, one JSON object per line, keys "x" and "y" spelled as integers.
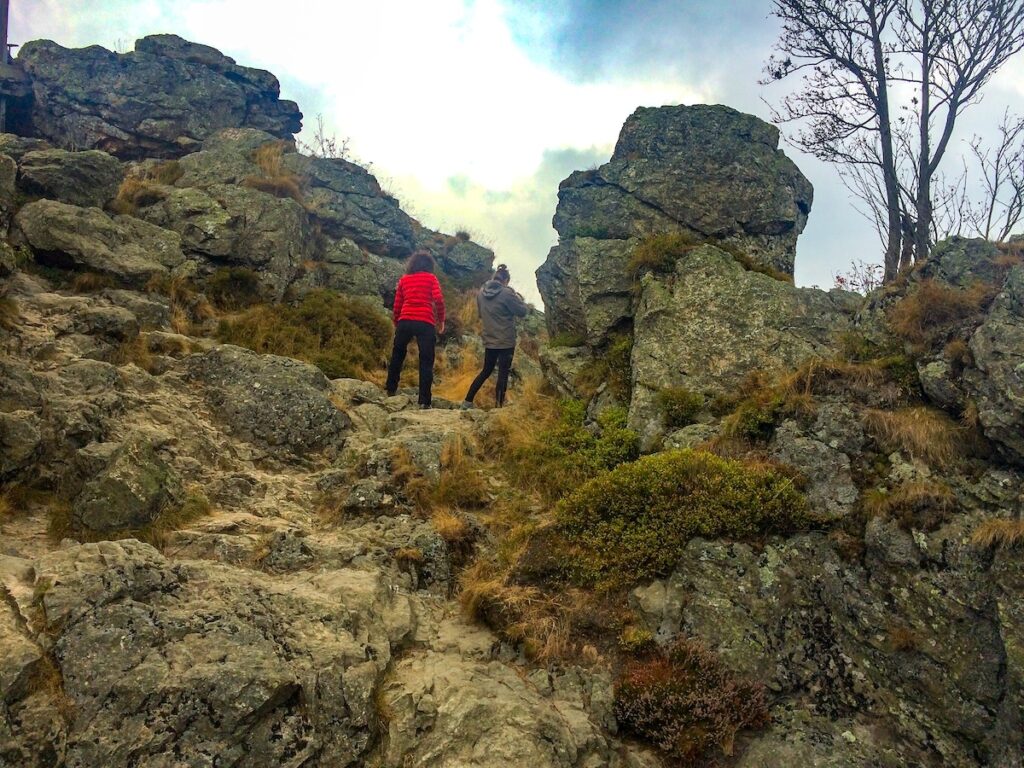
{"x": 707, "y": 171}
{"x": 161, "y": 100}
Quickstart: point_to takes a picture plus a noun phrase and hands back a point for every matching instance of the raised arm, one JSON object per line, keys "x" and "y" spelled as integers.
{"x": 438, "y": 299}
{"x": 399, "y": 301}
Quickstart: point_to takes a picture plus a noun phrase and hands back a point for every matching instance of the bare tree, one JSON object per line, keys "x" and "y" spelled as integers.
{"x": 1001, "y": 171}
{"x": 883, "y": 83}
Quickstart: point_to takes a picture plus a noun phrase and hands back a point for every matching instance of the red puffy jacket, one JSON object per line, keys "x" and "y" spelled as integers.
{"x": 419, "y": 297}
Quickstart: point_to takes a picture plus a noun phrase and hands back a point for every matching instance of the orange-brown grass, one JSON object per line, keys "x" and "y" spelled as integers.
{"x": 451, "y": 526}
{"x": 189, "y": 308}
{"x": 521, "y": 614}
{"x": 819, "y": 376}
{"x": 928, "y": 312}
{"x": 1005, "y": 532}
{"x": 416, "y": 488}
{"x": 10, "y": 315}
{"x": 408, "y": 557}
{"x": 135, "y": 193}
{"x": 453, "y": 381}
{"x": 915, "y": 505}
{"x": 274, "y": 178}
{"x": 958, "y": 354}
{"x": 903, "y": 639}
{"x": 89, "y": 282}
{"x": 462, "y": 482}
{"x": 922, "y": 433}
{"x": 136, "y": 352}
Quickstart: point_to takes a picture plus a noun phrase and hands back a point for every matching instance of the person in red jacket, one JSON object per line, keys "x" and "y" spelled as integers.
{"x": 419, "y": 314}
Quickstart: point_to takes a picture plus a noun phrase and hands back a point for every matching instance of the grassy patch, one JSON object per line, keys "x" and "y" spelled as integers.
{"x": 688, "y": 704}
{"x": 10, "y": 315}
{"x": 634, "y": 522}
{"x": 609, "y": 364}
{"x": 933, "y": 309}
{"x": 194, "y": 506}
{"x": 1007, "y": 533}
{"x": 234, "y": 288}
{"x": 679, "y": 406}
{"x": 189, "y": 307}
{"x": 90, "y": 282}
{"x": 342, "y": 336}
{"x": 274, "y": 179}
{"x": 921, "y": 505}
{"x": 567, "y": 339}
{"x": 659, "y": 253}
{"x": 920, "y": 432}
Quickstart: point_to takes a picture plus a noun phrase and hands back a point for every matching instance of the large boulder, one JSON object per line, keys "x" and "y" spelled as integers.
{"x": 89, "y": 178}
{"x": 708, "y": 172}
{"x": 997, "y": 382}
{"x": 238, "y": 226}
{"x": 125, "y": 248}
{"x": 135, "y": 488}
{"x": 713, "y": 322}
{"x": 160, "y": 100}
{"x": 275, "y": 402}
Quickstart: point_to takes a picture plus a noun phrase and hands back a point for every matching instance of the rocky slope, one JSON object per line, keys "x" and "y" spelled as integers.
{"x": 212, "y": 556}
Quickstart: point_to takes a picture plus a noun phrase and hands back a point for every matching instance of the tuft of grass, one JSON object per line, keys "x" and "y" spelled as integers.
{"x": 189, "y": 307}
{"x": 234, "y": 288}
{"x": 195, "y": 505}
{"x": 920, "y": 432}
{"x": 958, "y": 354}
{"x": 451, "y": 526}
{"x": 90, "y": 282}
{"x": 903, "y": 639}
{"x": 10, "y": 315}
{"x": 686, "y": 702}
{"x": 1005, "y": 532}
{"x": 567, "y": 339}
{"x": 610, "y": 364}
{"x": 633, "y": 522}
{"x": 659, "y": 253}
{"x": 409, "y": 558}
{"x": 921, "y": 505}
{"x": 168, "y": 172}
{"x": 462, "y": 483}
{"x": 342, "y": 336}
{"x": 274, "y": 179}
{"x": 928, "y": 313}
{"x": 679, "y": 406}
{"x": 135, "y": 193}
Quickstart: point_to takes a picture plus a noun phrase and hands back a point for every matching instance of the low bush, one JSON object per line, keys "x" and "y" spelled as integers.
{"x": 343, "y": 336}
{"x": 634, "y": 521}
{"x": 688, "y": 704}
{"x": 234, "y": 288}
{"x": 679, "y": 406}
{"x": 928, "y": 313}
{"x": 610, "y": 364}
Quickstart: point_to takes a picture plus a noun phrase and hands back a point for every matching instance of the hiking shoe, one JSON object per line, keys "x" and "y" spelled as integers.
{"x": 424, "y": 407}
{"x": 467, "y": 405}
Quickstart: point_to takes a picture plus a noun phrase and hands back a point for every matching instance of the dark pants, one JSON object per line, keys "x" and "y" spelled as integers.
{"x": 503, "y": 359}
{"x": 426, "y": 338}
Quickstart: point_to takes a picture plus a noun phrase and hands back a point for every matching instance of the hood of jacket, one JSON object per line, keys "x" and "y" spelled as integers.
{"x": 491, "y": 289}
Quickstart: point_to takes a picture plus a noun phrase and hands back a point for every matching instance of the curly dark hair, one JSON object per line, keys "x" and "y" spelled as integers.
{"x": 420, "y": 261}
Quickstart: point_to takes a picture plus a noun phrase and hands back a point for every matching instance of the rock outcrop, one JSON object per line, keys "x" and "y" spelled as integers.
{"x": 161, "y": 100}
{"x": 705, "y": 171}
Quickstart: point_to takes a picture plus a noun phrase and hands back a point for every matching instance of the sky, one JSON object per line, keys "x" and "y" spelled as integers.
{"x": 472, "y": 111}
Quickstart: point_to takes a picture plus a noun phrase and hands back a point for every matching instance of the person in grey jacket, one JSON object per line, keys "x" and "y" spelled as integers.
{"x": 499, "y": 306}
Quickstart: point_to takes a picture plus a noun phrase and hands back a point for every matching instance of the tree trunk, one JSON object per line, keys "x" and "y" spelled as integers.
{"x": 889, "y": 178}
{"x": 922, "y": 236}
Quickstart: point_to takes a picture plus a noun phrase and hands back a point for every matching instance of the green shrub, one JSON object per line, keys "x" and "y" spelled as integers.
{"x": 679, "y": 406}
{"x": 688, "y": 704}
{"x": 234, "y": 288}
{"x": 755, "y": 419}
{"x": 341, "y": 335}
{"x": 568, "y": 454}
{"x": 634, "y": 521}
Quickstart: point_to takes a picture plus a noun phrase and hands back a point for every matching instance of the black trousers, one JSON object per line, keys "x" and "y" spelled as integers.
{"x": 503, "y": 359}
{"x": 426, "y": 339}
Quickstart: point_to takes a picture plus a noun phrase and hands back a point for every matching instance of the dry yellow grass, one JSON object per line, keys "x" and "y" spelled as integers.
{"x": 1005, "y": 532}
{"x": 453, "y": 381}
{"x": 409, "y": 556}
{"x": 89, "y": 282}
{"x": 275, "y": 178}
{"x": 135, "y": 193}
{"x": 7, "y": 507}
{"x": 136, "y": 352}
{"x": 922, "y": 316}
{"x": 407, "y": 476}
{"x": 450, "y": 526}
{"x": 10, "y": 315}
{"x": 916, "y": 504}
{"x": 920, "y": 432}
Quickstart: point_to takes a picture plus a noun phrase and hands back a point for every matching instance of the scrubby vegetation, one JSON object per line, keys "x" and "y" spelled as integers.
{"x": 933, "y": 309}
{"x": 139, "y": 191}
{"x": 634, "y": 522}
{"x": 609, "y": 364}
{"x": 687, "y": 703}
{"x": 921, "y": 505}
{"x": 9, "y": 313}
{"x": 1006, "y": 532}
{"x": 342, "y": 336}
{"x": 659, "y": 253}
{"x": 189, "y": 307}
{"x": 679, "y": 406}
{"x": 275, "y": 179}
{"x": 921, "y": 432}
{"x": 234, "y": 288}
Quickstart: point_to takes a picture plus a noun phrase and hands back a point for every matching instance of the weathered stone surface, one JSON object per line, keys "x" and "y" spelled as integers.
{"x": 198, "y": 660}
{"x": 130, "y": 250}
{"x": 997, "y": 385}
{"x": 225, "y": 158}
{"x": 89, "y": 178}
{"x": 227, "y": 224}
{"x": 8, "y": 174}
{"x": 349, "y": 203}
{"x": 588, "y": 291}
{"x": 713, "y": 322}
{"x": 830, "y": 488}
{"x": 275, "y": 402}
{"x": 706, "y": 171}
{"x": 20, "y": 441}
{"x": 347, "y": 268}
{"x": 161, "y": 100}
{"x": 131, "y": 492}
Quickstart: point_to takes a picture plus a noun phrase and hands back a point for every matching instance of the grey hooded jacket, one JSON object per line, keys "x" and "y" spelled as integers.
{"x": 499, "y": 307}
